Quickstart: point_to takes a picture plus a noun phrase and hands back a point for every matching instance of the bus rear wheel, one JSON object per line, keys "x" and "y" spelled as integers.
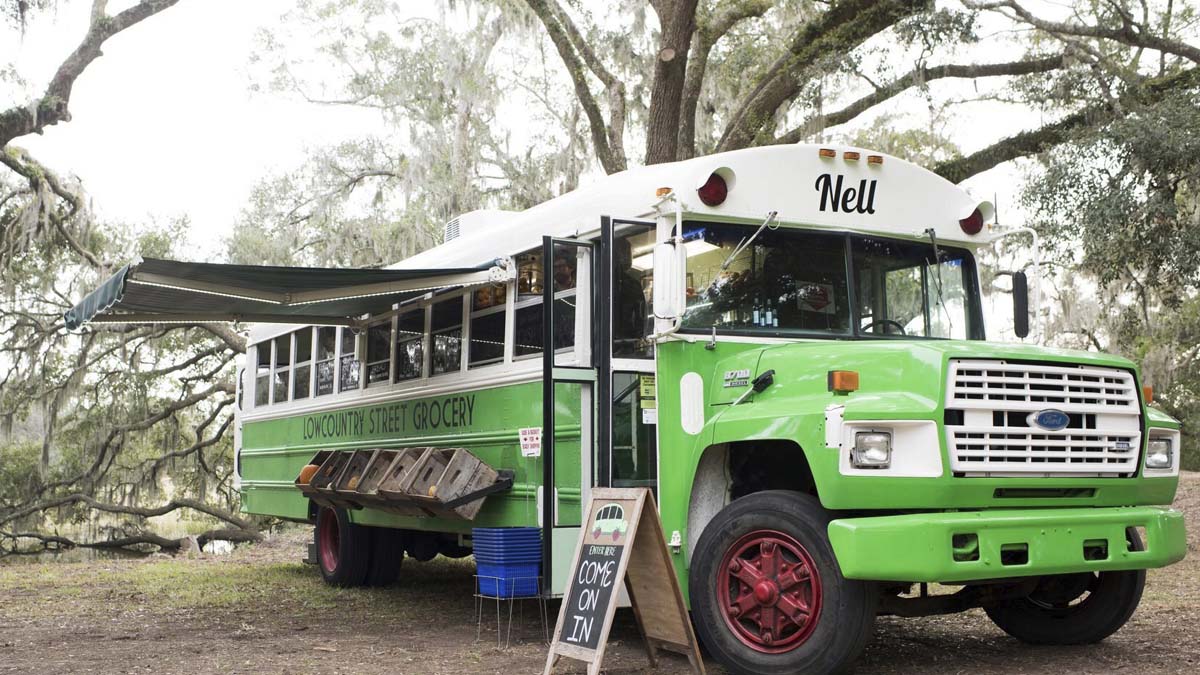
{"x": 1074, "y": 609}
{"x": 767, "y": 593}
{"x": 387, "y": 555}
{"x": 343, "y": 548}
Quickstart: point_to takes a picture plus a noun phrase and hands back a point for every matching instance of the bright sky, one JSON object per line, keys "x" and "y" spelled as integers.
{"x": 166, "y": 124}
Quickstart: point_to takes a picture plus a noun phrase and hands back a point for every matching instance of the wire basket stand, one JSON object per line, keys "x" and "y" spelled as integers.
{"x": 512, "y": 585}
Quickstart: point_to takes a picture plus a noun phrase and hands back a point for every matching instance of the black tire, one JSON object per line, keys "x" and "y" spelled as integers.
{"x": 421, "y": 546}
{"x": 797, "y": 524}
{"x": 343, "y": 548}
{"x": 1048, "y": 617}
{"x": 387, "y": 555}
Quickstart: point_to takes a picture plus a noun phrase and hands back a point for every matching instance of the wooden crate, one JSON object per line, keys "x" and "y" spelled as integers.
{"x": 391, "y": 489}
{"x": 373, "y": 477}
{"x": 326, "y": 478}
{"x": 409, "y": 481}
{"x": 424, "y": 476}
{"x": 465, "y": 474}
{"x": 306, "y": 488}
{"x": 375, "y": 471}
{"x": 446, "y": 475}
{"x": 346, "y": 485}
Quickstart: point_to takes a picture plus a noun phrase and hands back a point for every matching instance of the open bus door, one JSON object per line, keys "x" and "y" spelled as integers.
{"x": 601, "y": 393}
{"x": 569, "y": 395}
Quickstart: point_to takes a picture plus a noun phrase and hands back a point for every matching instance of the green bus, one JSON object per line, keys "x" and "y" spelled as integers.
{"x": 786, "y": 344}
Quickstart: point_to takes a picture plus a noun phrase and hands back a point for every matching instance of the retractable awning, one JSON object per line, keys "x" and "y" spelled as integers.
{"x": 168, "y": 291}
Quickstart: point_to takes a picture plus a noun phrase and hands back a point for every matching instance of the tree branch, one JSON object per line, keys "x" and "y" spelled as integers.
{"x": 915, "y": 78}
{"x": 1130, "y": 32}
{"x": 139, "y": 511}
{"x": 710, "y": 28}
{"x": 607, "y": 139}
{"x": 677, "y": 22}
{"x": 840, "y": 29}
{"x": 21, "y": 163}
{"x": 52, "y": 107}
{"x": 1038, "y": 140}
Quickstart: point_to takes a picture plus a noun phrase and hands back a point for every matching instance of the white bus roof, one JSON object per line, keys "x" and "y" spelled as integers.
{"x": 907, "y": 200}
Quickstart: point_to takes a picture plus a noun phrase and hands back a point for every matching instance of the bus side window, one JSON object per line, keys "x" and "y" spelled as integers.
{"x": 301, "y": 382}
{"x": 530, "y": 285}
{"x": 262, "y": 374}
{"x": 633, "y": 262}
{"x": 379, "y": 353}
{"x": 446, "y": 333}
{"x": 282, "y": 369}
{"x": 487, "y": 325}
{"x": 326, "y": 347}
{"x": 410, "y": 344}
{"x": 348, "y": 378}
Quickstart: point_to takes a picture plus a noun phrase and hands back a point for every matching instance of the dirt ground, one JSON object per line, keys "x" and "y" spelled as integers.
{"x": 260, "y": 610}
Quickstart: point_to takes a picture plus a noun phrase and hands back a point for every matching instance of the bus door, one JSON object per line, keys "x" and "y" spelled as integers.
{"x": 568, "y": 440}
{"x": 627, "y": 448}
{"x": 599, "y": 424}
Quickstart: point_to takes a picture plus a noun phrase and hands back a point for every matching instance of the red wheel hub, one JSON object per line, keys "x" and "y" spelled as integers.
{"x": 328, "y": 538}
{"x": 769, "y": 591}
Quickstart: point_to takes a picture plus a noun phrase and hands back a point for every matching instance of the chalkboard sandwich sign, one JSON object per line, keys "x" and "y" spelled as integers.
{"x": 622, "y": 542}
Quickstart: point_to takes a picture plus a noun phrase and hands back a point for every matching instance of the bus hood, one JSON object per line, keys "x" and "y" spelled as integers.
{"x": 901, "y": 377}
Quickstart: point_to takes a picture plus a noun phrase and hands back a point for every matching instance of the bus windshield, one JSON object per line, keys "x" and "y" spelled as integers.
{"x": 798, "y": 282}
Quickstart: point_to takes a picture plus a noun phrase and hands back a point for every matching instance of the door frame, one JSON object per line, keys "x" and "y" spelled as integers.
{"x": 606, "y": 365}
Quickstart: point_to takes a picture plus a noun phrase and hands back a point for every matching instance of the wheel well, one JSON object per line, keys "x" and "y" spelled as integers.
{"x": 732, "y": 470}
{"x": 755, "y": 466}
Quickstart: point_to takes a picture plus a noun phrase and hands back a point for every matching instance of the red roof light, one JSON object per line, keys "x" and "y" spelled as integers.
{"x": 714, "y": 191}
{"x": 972, "y": 224}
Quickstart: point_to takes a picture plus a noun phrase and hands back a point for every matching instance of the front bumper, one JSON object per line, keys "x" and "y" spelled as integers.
{"x": 919, "y": 547}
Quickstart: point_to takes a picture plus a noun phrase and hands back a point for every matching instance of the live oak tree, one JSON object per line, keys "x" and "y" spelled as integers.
{"x": 506, "y": 103}
{"x": 91, "y": 423}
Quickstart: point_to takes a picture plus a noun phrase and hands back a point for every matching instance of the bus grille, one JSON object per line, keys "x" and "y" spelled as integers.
{"x": 989, "y": 410}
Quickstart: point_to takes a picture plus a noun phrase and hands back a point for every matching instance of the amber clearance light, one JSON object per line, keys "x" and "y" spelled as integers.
{"x": 843, "y": 381}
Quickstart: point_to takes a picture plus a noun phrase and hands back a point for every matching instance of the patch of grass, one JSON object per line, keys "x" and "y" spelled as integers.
{"x": 250, "y": 579}
{"x": 181, "y": 584}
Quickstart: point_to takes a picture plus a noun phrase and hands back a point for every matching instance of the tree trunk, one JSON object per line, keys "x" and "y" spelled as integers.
{"x": 678, "y": 20}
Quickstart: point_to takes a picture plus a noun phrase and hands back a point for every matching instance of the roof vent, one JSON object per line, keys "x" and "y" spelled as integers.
{"x": 475, "y": 221}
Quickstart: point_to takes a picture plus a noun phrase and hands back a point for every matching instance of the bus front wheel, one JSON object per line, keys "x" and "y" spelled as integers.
{"x": 767, "y": 593}
{"x": 343, "y": 548}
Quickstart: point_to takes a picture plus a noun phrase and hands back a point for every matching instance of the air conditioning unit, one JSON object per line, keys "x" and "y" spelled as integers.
{"x": 475, "y": 221}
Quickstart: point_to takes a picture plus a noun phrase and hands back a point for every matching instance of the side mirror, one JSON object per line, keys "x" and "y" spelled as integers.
{"x": 1020, "y": 291}
{"x": 669, "y": 292}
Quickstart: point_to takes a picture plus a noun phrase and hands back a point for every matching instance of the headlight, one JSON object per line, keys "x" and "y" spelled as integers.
{"x": 872, "y": 450}
{"x": 1159, "y": 454}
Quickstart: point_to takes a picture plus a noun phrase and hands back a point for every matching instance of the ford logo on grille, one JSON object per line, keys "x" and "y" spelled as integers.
{"x": 1050, "y": 420}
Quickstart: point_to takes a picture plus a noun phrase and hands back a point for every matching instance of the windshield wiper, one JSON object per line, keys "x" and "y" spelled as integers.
{"x": 746, "y": 242}
{"x": 937, "y": 274}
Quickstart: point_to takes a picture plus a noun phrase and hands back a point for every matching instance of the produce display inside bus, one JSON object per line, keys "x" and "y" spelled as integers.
{"x": 795, "y": 281}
